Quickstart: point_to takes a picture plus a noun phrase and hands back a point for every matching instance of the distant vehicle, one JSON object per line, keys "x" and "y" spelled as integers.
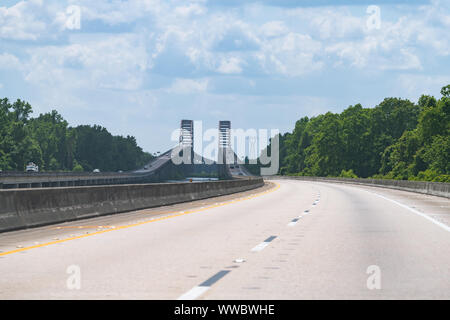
{"x": 31, "y": 167}
{"x": 237, "y": 166}
{"x": 240, "y": 174}
{"x": 231, "y": 167}
{"x": 120, "y": 171}
{"x": 96, "y": 170}
{"x": 145, "y": 167}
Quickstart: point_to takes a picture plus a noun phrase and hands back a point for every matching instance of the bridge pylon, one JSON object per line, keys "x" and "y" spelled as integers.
{"x": 224, "y": 150}
{"x": 187, "y": 139}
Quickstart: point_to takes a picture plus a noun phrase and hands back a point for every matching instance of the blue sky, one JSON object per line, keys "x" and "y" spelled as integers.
{"x": 138, "y": 67}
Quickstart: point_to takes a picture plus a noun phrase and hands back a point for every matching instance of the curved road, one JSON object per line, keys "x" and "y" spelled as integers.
{"x": 289, "y": 240}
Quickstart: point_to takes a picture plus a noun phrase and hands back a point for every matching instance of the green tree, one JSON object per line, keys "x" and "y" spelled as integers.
{"x": 437, "y": 155}
{"x": 77, "y": 168}
{"x": 355, "y": 139}
{"x": 445, "y": 91}
{"x": 396, "y": 139}
{"x": 49, "y": 142}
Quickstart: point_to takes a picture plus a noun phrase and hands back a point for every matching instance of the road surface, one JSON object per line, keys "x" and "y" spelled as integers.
{"x": 288, "y": 240}
{"x": 156, "y": 163}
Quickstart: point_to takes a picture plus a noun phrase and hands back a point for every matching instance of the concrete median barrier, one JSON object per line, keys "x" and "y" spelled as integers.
{"x": 425, "y": 187}
{"x": 25, "y": 208}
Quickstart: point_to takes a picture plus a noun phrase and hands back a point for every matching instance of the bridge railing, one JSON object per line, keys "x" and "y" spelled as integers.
{"x": 58, "y": 179}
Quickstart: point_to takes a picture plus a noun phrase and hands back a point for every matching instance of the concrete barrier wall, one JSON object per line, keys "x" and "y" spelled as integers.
{"x": 431, "y": 188}
{"x": 25, "y": 208}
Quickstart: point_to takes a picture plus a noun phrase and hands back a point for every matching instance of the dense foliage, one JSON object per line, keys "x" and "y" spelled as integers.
{"x": 397, "y": 139}
{"x": 49, "y": 142}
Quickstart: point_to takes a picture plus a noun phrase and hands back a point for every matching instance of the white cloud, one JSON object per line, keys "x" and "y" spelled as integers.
{"x": 19, "y": 22}
{"x": 114, "y": 62}
{"x": 307, "y": 41}
{"x": 291, "y": 55}
{"x": 406, "y": 60}
{"x": 116, "y": 12}
{"x": 9, "y": 61}
{"x": 400, "y": 43}
{"x": 274, "y": 29}
{"x": 395, "y": 46}
{"x": 414, "y": 85}
{"x": 371, "y": 55}
{"x": 188, "y": 86}
{"x": 334, "y": 23}
{"x": 230, "y": 65}
{"x": 190, "y": 10}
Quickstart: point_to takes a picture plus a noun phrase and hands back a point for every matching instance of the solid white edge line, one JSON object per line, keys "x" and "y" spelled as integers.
{"x": 194, "y": 293}
{"x": 440, "y": 224}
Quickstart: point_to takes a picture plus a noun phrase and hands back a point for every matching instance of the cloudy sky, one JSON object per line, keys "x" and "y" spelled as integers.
{"x": 138, "y": 67}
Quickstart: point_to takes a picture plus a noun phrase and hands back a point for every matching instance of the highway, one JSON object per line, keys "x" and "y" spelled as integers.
{"x": 287, "y": 240}
{"x": 156, "y": 163}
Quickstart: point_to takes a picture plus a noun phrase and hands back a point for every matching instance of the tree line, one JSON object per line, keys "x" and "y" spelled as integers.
{"x": 397, "y": 139}
{"x": 53, "y": 145}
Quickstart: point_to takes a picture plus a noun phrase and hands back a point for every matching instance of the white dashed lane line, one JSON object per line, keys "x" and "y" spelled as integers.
{"x": 293, "y": 222}
{"x": 263, "y": 244}
{"x": 197, "y": 291}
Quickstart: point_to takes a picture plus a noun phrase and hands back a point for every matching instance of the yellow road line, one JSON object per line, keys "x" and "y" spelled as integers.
{"x": 81, "y": 227}
{"x": 144, "y": 222}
